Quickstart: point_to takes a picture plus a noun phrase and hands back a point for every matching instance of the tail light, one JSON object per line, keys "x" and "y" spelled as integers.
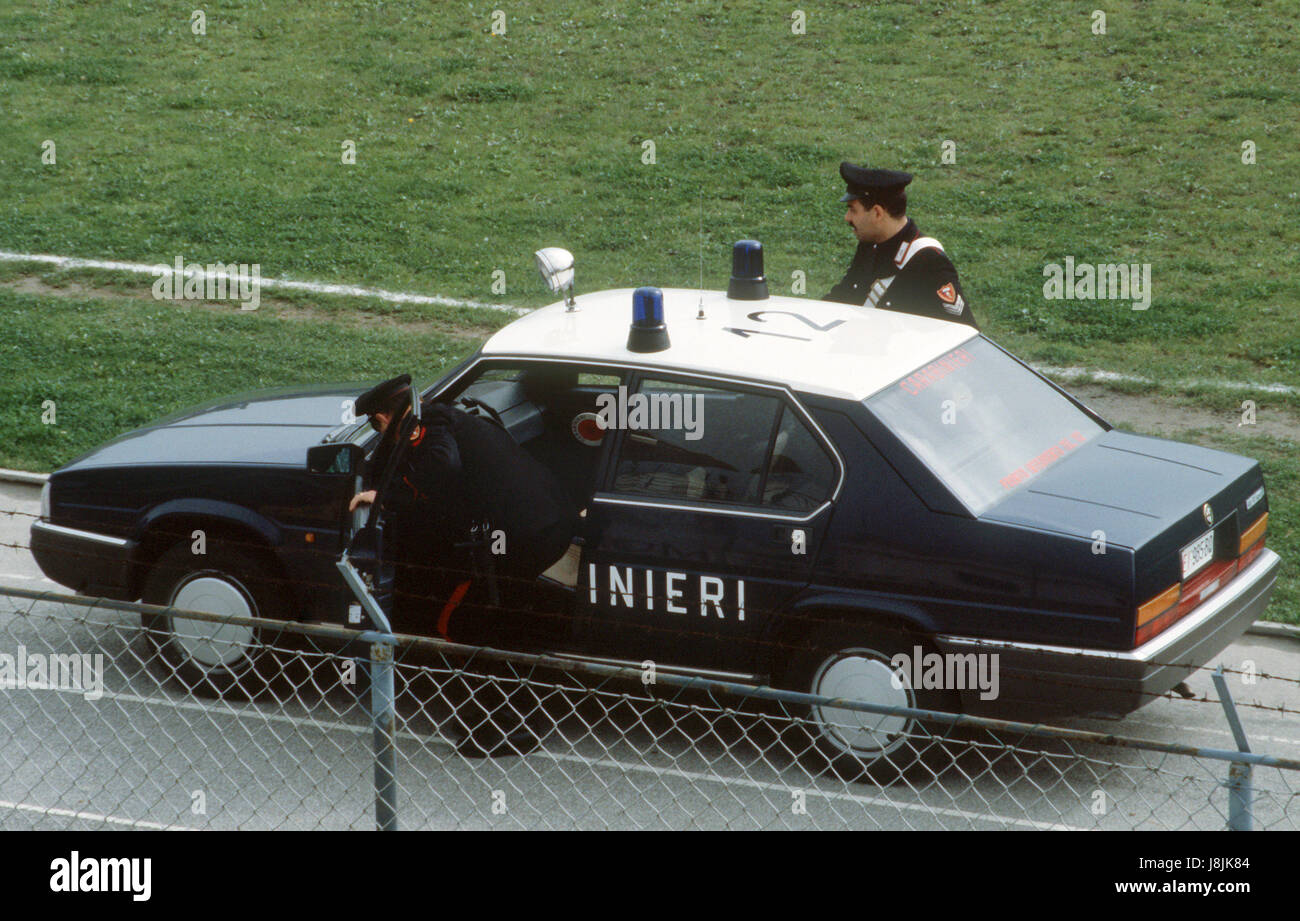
{"x": 1180, "y": 599}
{"x": 1156, "y": 614}
{"x": 1252, "y": 541}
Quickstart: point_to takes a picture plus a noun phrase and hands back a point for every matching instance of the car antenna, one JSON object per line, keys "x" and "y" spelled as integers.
{"x": 700, "y": 314}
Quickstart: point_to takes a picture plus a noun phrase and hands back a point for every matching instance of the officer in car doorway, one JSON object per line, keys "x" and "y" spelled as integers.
{"x": 461, "y": 474}
{"x": 895, "y": 268}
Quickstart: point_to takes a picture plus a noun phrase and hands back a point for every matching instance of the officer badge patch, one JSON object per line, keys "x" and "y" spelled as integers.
{"x": 952, "y": 301}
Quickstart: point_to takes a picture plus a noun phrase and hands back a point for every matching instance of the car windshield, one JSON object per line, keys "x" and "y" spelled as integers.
{"x": 982, "y": 422}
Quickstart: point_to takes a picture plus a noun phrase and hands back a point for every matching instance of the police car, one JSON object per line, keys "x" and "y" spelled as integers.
{"x": 854, "y": 502}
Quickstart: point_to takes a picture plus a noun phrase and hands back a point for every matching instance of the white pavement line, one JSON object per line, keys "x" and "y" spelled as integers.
{"x": 783, "y": 789}
{"x": 1110, "y": 377}
{"x": 159, "y": 269}
{"x": 1252, "y": 736}
{"x": 91, "y": 816}
{"x": 26, "y": 578}
{"x": 225, "y": 710}
{"x": 15, "y": 575}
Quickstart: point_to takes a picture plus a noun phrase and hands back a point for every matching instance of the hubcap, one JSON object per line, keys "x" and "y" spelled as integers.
{"x": 210, "y": 644}
{"x": 861, "y": 674}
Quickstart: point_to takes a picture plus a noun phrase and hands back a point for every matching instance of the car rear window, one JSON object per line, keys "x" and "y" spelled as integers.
{"x": 982, "y": 422}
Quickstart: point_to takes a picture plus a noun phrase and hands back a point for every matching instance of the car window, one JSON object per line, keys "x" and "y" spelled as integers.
{"x": 800, "y": 474}
{"x": 501, "y": 374}
{"x": 982, "y": 422}
{"x": 591, "y": 379}
{"x": 542, "y": 383}
{"x": 695, "y": 443}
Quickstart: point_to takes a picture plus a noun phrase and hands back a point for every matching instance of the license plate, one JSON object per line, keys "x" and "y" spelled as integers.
{"x": 1198, "y": 553}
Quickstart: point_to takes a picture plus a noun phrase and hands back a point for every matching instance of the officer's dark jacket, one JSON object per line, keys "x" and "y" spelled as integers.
{"x": 927, "y": 285}
{"x": 460, "y": 469}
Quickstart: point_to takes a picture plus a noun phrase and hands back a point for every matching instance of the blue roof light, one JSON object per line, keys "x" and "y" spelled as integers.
{"x": 647, "y": 307}
{"x": 747, "y": 281}
{"x": 648, "y": 332}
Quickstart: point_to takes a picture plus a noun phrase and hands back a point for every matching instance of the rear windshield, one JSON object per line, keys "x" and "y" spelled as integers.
{"x": 984, "y": 423}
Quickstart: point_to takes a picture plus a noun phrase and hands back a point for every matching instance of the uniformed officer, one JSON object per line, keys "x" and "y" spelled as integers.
{"x": 895, "y": 268}
{"x": 459, "y": 471}
{"x": 422, "y": 534}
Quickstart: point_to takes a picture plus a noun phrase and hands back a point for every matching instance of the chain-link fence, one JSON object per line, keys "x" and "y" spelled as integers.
{"x": 101, "y": 726}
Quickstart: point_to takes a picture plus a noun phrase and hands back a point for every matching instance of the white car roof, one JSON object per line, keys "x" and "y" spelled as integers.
{"x": 836, "y": 350}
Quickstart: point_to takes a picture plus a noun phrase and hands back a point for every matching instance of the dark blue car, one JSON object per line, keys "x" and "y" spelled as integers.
{"x": 848, "y": 501}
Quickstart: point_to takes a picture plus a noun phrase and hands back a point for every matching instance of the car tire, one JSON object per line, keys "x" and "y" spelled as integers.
{"x": 853, "y": 662}
{"x": 212, "y": 659}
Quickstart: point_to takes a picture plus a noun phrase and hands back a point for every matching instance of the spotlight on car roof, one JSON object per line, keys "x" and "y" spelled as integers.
{"x": 648, "y": 332}
{"x": 556, "y": 266}
{"x": 747, "y": 281}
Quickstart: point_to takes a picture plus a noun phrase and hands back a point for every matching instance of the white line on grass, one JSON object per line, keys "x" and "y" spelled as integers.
{"x": 1112, "y": 377}
{"x": 400, "y": 297}
{"x": 395, "y": 297}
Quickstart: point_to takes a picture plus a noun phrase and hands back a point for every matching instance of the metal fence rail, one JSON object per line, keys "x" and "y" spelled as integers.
{"x": 356, "y": 730}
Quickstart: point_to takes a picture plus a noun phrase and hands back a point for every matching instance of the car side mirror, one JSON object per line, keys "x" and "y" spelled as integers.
{"x": 335, "y": 460}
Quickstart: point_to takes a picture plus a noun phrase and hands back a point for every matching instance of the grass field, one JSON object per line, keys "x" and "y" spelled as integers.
{"x": 474, "y": 149}
{"x": 135, "y": 361}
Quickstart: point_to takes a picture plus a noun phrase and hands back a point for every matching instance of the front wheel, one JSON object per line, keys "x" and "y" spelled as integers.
{"x": 851, "y": 663}
{"x": 214, "y": 658}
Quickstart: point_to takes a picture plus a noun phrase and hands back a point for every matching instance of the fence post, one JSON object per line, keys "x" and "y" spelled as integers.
{"x": 383, "y": 713}
{"x": 383, "y": 718}
{"x": 1239, "y": 786}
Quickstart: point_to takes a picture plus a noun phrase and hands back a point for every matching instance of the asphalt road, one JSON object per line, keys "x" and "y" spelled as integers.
{"x": 148, "y": 754}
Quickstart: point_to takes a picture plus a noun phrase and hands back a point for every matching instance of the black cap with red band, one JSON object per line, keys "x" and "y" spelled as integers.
{"x": 383, "y": 398}
{"x": 867, "y": 185}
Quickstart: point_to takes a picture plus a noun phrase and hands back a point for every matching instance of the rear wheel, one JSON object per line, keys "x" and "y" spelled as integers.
{"x": 854, "y": 663}
{"x": 214, "y": 658}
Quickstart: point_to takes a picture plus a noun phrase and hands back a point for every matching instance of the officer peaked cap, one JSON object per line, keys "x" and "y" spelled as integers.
{"x": 868, "y": 184}
{"x": 383, "y": 397}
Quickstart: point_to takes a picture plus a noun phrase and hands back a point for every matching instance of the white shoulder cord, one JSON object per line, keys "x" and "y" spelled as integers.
{"x": 904, "y": 256}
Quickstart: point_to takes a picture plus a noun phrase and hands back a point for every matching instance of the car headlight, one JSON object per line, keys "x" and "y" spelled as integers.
{"x": 45, "y": 501}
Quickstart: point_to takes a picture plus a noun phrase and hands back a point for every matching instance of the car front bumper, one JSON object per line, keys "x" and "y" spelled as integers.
{"x": 1036, "y": 681}
{"x": 85, "y": 561}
